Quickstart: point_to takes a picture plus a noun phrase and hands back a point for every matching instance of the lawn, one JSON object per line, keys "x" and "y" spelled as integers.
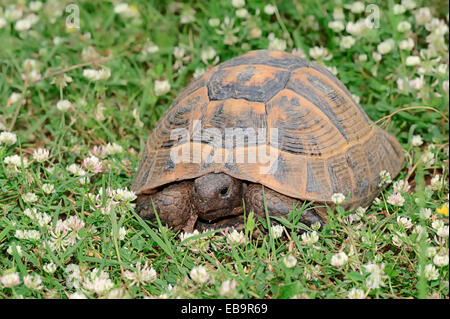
{"x": 82, "y": 85}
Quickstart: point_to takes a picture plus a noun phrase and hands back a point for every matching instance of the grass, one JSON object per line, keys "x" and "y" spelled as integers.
{"x": 84, "y": 246}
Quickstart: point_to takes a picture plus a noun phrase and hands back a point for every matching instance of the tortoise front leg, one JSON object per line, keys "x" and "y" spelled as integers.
{"x": 173, "y": 204}
{"x": 277, "y": 204}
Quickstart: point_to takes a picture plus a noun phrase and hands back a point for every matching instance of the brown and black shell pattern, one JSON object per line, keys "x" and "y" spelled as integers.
{"x": 326, "y": 142}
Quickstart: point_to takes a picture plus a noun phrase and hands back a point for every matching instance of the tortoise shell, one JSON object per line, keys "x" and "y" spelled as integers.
{"x": 326, "y": 142}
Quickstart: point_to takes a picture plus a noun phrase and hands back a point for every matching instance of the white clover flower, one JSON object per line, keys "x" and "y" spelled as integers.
{"x": 333, "y": 70}
{"x": 425, "y": 213}
{"x": 376, "y": 56}
{"x": 27, "y": 234}
{"x": 442, "y": 69}
{"x": 396, "y": 199}
{"x": 356, "y": 28}
{"x": 356, "y": 7}
{"x": 401, "y": 186}
{"x": 13, "y": 13}
{"x": 277, "y": 231}
{"x": 16, "y": 161}
{"x": 122, "y": 233}
{"x": 23, "y": 25}
{"x": 423, "y": 15}
{"x": 31, "y": 76}
{"x": 77, "y": 295}
{"x": 35, "y": 5}
{"x": 347, "y": 42}
{"x": 48, "y": 188}
{"x": 276, "y": 44}
{"x": 187, "y": 15}
{"x": 336, "y": 25}
{"x": 399, "y": 9}
{"x": 74, "y": 276}
{"x": 385, "y": 178}
{"x": 406, "y": 45}
{"x": 397, "y": 241}
{"x": 339, "y": 259}
{"x": 198, "y": 72}
{"x": 404, "y": 26}
{"x": 40, "y": 219}
{"x": 142, "y": 275}
{"x": 10, "y": 280}
{"x": 356, "y": 293}
{"x": 30, "y": 213}
{"x": 214, "y": 22}
{"x": 338, "y": 13}
{"x": 3, "y": 22}
{"x": 338, "y": 198}
{"x": 440, "y": 260}
{"x": 377, "y": 276}
{"x": 18, "y": 249}
{"x": 437, "y": 224}
{"x": 242, "y": 13}
{"x": 386, "y": 46}
{"x": 417, "y": 83}
{"x": 412, "y": 60}
{"x": 228, "y": 30}
{"x": 208, "y": 54}
{"x": 437, "y": 25}
{"x": 149, "y": 48}
{"x": 409, "y": 4}
{"x": 49, "y": 268}
{"x": 427, "y": 158}
{"x": 123, "y": 195}
{"x": 290, "y": 261}
{"x": 29, "y": 197}
{"x": 318, "y": 52}
{"x": 270, "y": 9}
{"x": 33, "y": 282}
{"x": 360, "y": 211}
{"x": 93, "y": 164}
{"x": 238, "y": 3}
{"x": 405, "y": 222}
{"x": 416, "y": 140}
{"x": 236, "y": 237}
{"x": 125, "y": 10}
{"x": 362, "y": 57}
{"x": 41, "y": 155}
{"x": 228, "y": 288}
{"x": 111, "y": 149}
{"x": 76, "y": 170}
{"x": 431, "y": 272}
{"x": 431, "y": 251}
{"x": 312, "y": 272}
{"x": 97, "y": 75}
{"x": 436, "y": 182}
{"x": 442, "y": 231}
{"x": 183, "y": 236}
{"x": 64, "y": 105}
{"x": 199, "y": 274}
{"x": 98, "y": 282}
{"x": 161, "y": 87}
{"x": 310, "y": 239}
{"x": 8, "y": 138}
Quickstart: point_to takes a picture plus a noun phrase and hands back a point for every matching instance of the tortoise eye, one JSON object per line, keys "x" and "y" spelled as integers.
{"x": 224, "y": 191}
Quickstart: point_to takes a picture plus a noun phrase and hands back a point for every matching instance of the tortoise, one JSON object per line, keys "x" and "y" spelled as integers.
{"x": 324, "y": 144}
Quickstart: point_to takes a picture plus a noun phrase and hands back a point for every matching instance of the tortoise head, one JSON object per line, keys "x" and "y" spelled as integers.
{"x": 216, "y": 196}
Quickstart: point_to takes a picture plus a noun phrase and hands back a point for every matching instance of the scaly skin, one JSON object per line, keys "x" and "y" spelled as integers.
{"x": 212, "y": 201}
